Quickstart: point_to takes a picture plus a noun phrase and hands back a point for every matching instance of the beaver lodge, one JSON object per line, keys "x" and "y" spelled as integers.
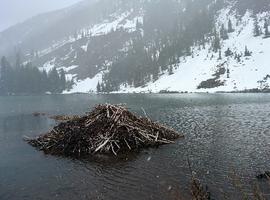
{"x": 109, "y": 129}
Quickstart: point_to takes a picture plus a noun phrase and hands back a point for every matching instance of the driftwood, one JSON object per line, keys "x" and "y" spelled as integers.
{"x": 108, "y": 129}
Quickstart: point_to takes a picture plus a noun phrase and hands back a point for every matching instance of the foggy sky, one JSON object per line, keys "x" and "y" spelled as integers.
{"x": 15, "y": 11}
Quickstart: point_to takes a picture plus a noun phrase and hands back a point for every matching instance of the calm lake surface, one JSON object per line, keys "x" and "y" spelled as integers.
{"x": 223, "y": 133}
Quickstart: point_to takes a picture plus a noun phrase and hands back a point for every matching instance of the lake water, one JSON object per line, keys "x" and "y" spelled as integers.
{"x": 223, "y": 133}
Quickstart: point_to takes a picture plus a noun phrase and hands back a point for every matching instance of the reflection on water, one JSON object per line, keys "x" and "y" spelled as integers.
{"x": 222, "y": 132}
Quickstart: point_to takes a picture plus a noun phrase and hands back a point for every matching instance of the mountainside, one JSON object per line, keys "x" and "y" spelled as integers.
{"x": 150, "y": 45}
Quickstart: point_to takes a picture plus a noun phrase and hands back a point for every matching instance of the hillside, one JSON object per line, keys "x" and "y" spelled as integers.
{"x": 149, "y": 46}
{"x": 237, "y": 71}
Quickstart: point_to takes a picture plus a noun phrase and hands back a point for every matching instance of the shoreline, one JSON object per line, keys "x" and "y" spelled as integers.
{"x": 252, "y": 91}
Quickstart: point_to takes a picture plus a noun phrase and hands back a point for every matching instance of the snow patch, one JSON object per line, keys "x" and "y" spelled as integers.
{"x": 87, "y": 85}
{"x": 48, "y": 66}
{"x": 84, "y": 47}
{"x": 68, "y": 69}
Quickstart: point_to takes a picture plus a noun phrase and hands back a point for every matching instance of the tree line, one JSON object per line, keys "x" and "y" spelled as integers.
{"x": 27, "y": 79}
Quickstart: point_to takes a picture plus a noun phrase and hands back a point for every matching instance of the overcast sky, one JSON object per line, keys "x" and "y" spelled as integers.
{"x": 14, "y": 11}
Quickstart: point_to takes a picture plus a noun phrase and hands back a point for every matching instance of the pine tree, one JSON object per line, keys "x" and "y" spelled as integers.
{"x": 267, "y": 34}
{"x": 256, "y": 30}
{"x": 247, "y": 52}
{"x": 138, "y": 25}
{"x": 102, "y": 87}
{"x": 54, "y": 81}
{"x": 230, "y": 27}
{"x": 18, "y": 59}
{"x": 224, "y": 33}
{"x": 98, "y": 88}
{"x": 83, "y": 34}
{"x": 188, "y": 51}
{"x": 62, "y": 80}
{"x": 228, "y": 73}
{"x": 4, "y": 75}
{"x": 170, "y": 70}
{"x": 216, "y": 42}
{"x": 156, "y": 73}
{"x": 266, "y": 30}
{"x": 219, "y": 57}
{"x": 37, "y": 54}
{"x": 44, "y": 82}
{"x": 228, "y": 52}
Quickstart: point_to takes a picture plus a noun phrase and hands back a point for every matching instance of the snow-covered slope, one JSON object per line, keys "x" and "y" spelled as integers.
{"x": 125, "y": 21}
{"x": 235, "y": 72}
{"x": 117, "y": 21}
{"x": 244, "y": 74}
{"x": 240, "y": 74}
{"x": 87, "y": 85}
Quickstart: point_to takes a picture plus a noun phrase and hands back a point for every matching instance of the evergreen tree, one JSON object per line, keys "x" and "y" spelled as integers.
{"x": 266, "y": 30}
{"x": 156, "y": 73}
{"x": 44, "y": 82}
{"x": 188, "y": 51}
{"x": 224, "y": 33}
{"x": 170, "y": 70}
{"x": 219, "y": 56}
{"x": 4, "y": 76}
{"x": 102, "y": 87}
{"x": 54, "y": 81}
{"x": 228, "y": 52}
{"x": 230, "y": 27}
{"x": 247, "y": 52}
{"x": 256, "y": 30}
{"x": 138, "y": 25}
{"x": 98, "y": 88}
{"x": 228, "y": 73}
{"x": 18, "y": 59}
{"x": 62, "y": 80}
{"x": 216, "y": 42}
{"x": 37, "y": 54}
{"x": 83, "y": 34}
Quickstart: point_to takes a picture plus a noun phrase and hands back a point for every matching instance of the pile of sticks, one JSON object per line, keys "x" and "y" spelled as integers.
{"x": 108, "y": 129}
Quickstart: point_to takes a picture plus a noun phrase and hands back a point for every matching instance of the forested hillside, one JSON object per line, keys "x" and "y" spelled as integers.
{"x": 150, "y": 45}
{"x": 27, "y": 79}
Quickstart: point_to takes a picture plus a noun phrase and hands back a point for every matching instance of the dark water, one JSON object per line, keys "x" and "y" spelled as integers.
{"x": 223, "y": 133}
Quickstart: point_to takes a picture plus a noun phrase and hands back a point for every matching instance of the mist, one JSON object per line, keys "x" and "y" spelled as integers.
{"x": 134, "y": 99}
{"x": 16, "y": 11}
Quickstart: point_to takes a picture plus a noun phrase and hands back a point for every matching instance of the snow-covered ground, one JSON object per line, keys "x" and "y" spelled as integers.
{"x": 121, "y": 21}
{"x": 192, "y": 70}
{"x": 48, "y": 66}
{"x": 202, "y": 64}
{"x": 87, "y": 85}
